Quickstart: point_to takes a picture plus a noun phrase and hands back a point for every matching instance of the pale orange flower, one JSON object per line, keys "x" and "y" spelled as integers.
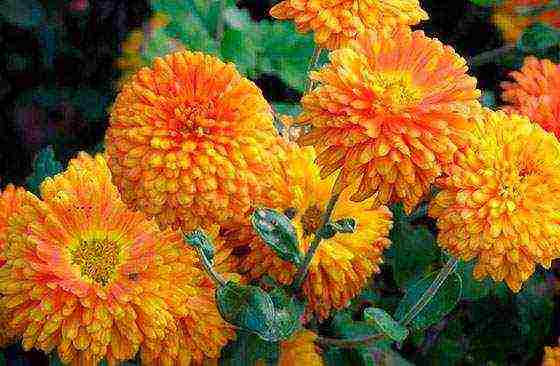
{"x": 390, "y": 111}
{"x": 335, "y": 22}
{"x": 500, "y": 204}
{"x": 188, "y": 140}
{"x": 88, "y": 277}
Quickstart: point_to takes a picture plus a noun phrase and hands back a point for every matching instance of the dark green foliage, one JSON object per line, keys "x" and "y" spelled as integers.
{"x": 247, "y": 349}
{"x": 538, "y": 37}
{"x": 386, "y": 324}
{"x": 45, "y": 165}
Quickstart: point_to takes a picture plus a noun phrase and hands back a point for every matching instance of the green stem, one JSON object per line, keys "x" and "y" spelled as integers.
{"x": 348, "y": 343}
{"x": 431, "y": 291}
{"x": 215, "y": 276}
{"x": 313, "y": 64}
{"x": 304, "y": 268}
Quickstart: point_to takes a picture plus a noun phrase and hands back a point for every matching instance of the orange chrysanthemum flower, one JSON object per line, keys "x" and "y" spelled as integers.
{"x": 535, "y": 93}
{"x": 92, "y": 279}
{"x": 391, "y": 111}
{"x": 342, "y": 264}
{"x": 500, "y": 203}
{"x": 511, "y": 17}
{"x": 551, "y": 356}
{"x": 300, "y": 349}
{"x": 188, "y": 140}
{"x": 10, "y": 202}
{"x": 335, "y": 22}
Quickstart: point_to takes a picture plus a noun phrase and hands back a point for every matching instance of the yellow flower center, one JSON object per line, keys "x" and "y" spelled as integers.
{"x": 396, "y": 90}
{"x": 97, "y": 258}
{"x": 311, "y": 219}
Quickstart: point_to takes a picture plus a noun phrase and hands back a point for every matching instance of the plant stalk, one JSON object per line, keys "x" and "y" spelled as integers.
{"x": 209, "y": 269}
{"x": 431, "y": 291}
{"x": 304, "y": 268}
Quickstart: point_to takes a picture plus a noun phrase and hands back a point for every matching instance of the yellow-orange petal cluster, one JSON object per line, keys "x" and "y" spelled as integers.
{"x": 335, "y": 22}
{"x": 535, "y": 93}
{"x": 390, "y": 112}
{"x": 300, "y": 349}
{"x": 512, "y": 17}
{"x": 342, "y": 264}
{"x": 88, "y": 277}
{"x": 188, "y": 140}
{"x": 500, "y": 203}
{"x": 551, "y": 356}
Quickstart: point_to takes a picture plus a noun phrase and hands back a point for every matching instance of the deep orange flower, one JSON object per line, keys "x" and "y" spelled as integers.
{"x": 335, "y": 22}
{"x": 188, "y": 140}
{"x": 92, "y": 279}
{"x": 390, "y": 111}
{"x": 500, "y": 203}
{"x": 512, "y": 21}
{"x": 342, "y": 264}
{"x": 535, "y": 93}
{"x": 551, "y": 356}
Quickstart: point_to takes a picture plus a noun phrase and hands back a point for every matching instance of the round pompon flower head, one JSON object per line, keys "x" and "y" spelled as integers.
{"x": 500, "y": 203}
{"x": 335, "y": 22}
{"x": 300, "y": 349}
{"x": 187, "y": 141}
{"x": 551, "y": 356}
{"x": 342, "y": 264}
{"x": 390, "y": 112}
{"x": 89, "y": 277}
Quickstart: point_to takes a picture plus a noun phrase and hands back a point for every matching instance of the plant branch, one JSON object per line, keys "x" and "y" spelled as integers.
{"x": 215, "y": 276}
{"x": 349, "y": 342}
{"x": 431, "y": 291}
{"x": 303, "y": 269}
{"x": 490, "y": 56}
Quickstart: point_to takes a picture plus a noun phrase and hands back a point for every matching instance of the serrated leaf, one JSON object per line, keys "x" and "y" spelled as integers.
{"x": 386, "y": 324}
{"x": 414, "y": 251}
{"x": 278, "y": 233}
{"x": 249, "y": 308}
{"x": 439, "y": 306}
{"x": 199, "y": 239}
{"x": 538, "y": 37}
{"x": 45, "y": 165}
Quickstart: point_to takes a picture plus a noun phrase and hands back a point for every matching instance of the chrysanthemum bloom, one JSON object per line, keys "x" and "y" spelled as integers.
{"x": 90, "y": 278}
{"x": 500, "y": 203}
{"x": 10, "y": 202}
{"x": 300, "y": 349}
{"x": 551, "y": 356}
{"x": 187, "y": 141}
{"x": 512, "y": 17}
{"x": 535, "y": 93}
{"x": 342, "y": 264}
{"x": 335, "y": 22}
{"x": 390, "y": 112}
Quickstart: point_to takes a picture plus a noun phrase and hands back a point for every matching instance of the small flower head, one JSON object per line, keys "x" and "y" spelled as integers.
{"x": 335, "y": 22}
{"x": 551, "y": 356}
{"x": 390, "y": 112}
{"x": 88, "y": 277}
{"x": 188, "y": 140}
{"x": 535, "y": 93}
{"x": 500, "y": 204}
{"x": 342, "y": 264}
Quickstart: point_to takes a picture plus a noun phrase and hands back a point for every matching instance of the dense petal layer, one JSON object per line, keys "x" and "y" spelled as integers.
{"x": 500, "y": 204}
{"x": 390, "y": 112}
{"x": 187, "y": 141}
{"x": 335, "y": 22}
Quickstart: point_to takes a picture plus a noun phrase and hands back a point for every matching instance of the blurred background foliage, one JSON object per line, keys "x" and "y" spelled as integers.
{"x": 62, "y": 63}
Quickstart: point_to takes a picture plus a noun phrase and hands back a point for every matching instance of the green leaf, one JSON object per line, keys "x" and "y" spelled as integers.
{"x": 386, "y": 324}
{"x": 473, "y": 289}
{"x": 199, "y": 239}
{"x": 249, "y": 308}
{"x": 247, "y": 349}
{"x": 290, "y": 109}
{"x": 288, "y": 313}
{"x": 439, "y": 306}
{"x": 538, "y": 37}
{"x": 414, "y": 251}
{"x": 278, "y": 232}
{"x": 45, "y": 165}
{"x": 22, "y": 13}
{"x": 486, "y": 3}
